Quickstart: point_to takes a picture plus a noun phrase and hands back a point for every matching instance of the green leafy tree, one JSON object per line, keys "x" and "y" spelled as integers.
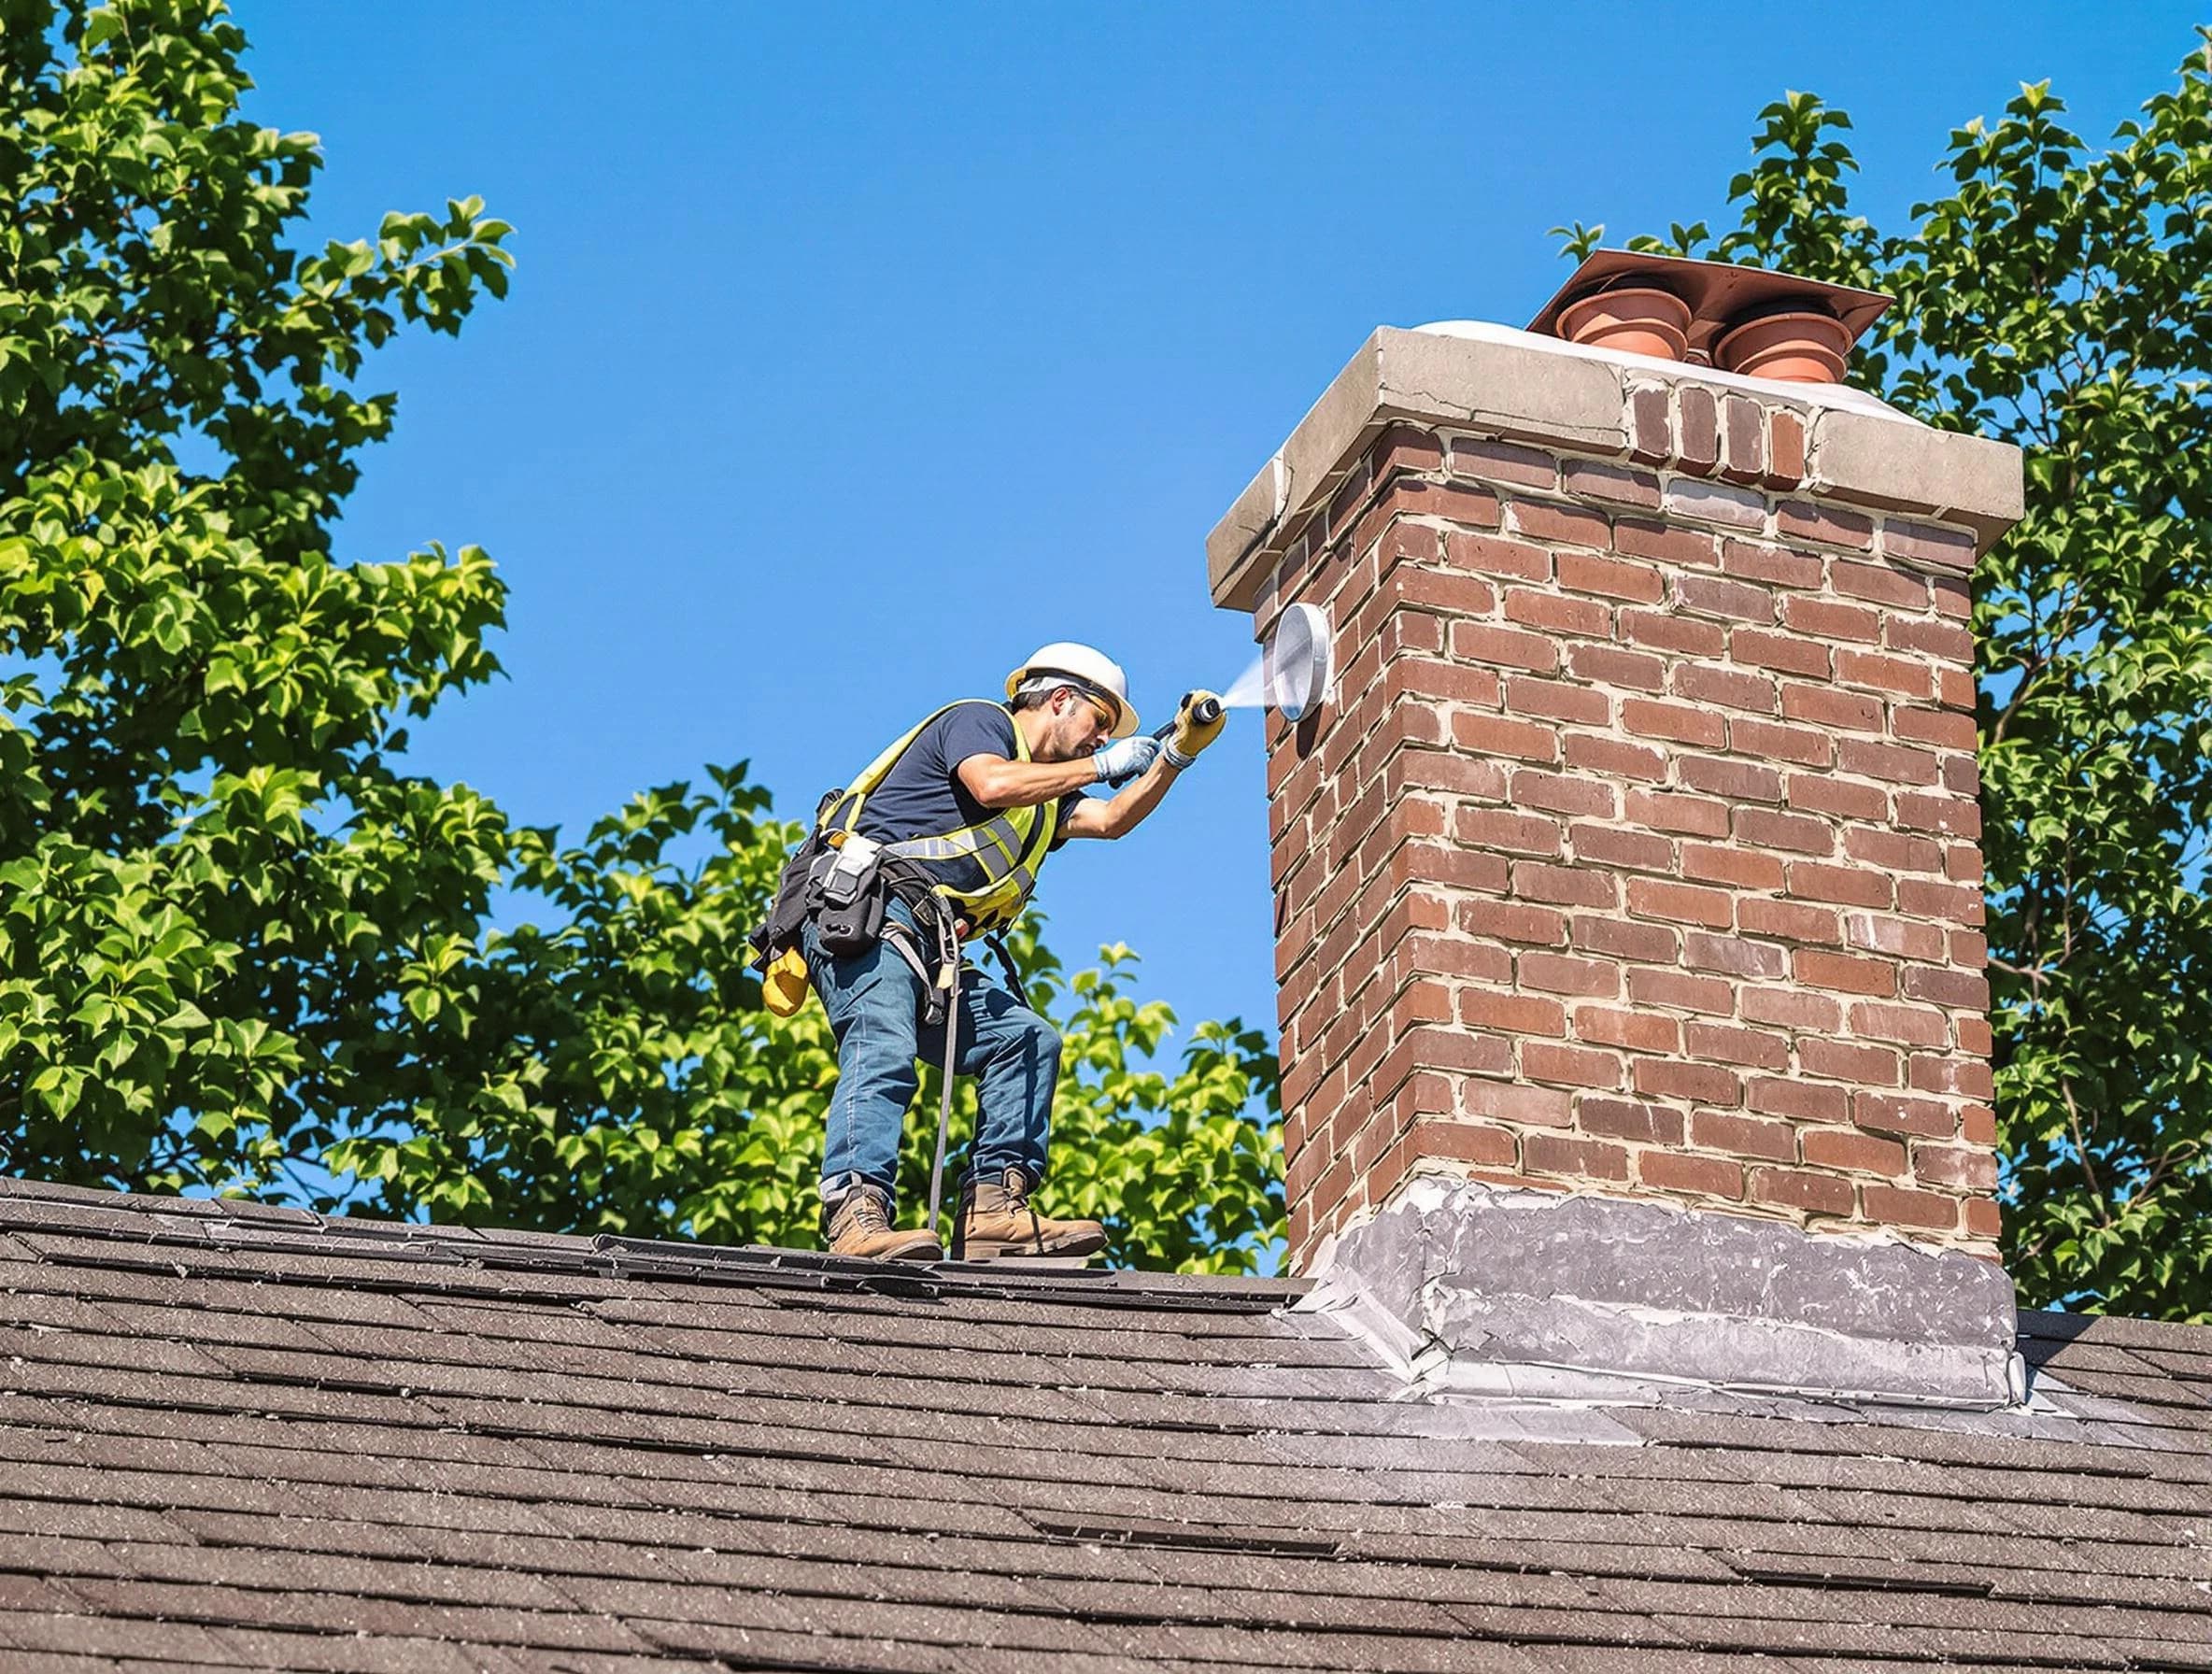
{"x": 2059, "y": 295}
{"x": 236, "y": 939}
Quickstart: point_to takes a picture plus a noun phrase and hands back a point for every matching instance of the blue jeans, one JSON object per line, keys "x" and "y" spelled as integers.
{"x": 875, "y": 1003}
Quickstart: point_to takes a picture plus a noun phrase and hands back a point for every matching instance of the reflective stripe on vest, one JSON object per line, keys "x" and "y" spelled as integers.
{"x": 1010, "y": 846}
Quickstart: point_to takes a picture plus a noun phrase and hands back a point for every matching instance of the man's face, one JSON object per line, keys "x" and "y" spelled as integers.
{"x": 1078, "y": 724}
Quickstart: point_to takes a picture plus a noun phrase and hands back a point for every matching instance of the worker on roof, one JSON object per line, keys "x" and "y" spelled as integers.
{"x": 940, "y": 840}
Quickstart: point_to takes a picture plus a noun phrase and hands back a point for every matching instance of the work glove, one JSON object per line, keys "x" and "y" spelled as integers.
{"x": 1124, "y": 758}
{"x": 1192, "y": 734}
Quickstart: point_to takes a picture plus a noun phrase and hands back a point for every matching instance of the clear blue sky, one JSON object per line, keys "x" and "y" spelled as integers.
{"x": 855, "y": 351}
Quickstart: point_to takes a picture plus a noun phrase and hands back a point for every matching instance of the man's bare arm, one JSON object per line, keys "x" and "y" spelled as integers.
{"x": 1118, "y": 816}
{"x": 997, "y": 783}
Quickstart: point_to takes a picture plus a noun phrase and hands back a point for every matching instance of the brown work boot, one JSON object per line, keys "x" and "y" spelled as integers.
{"x": 859, "y": 1224}
{"x": 996, "y": 1219}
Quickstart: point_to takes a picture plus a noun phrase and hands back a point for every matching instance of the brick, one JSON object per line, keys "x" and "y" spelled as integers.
{"x": 1848, "y": 886}
{"x": 1452, "y": 502}
{"x": 1906, "y": 1025}
{"x": 1559, "y": 1065}
{"x": 1465, "y": 1141}
{"x": 1927, "y": 542}
{"x": 1583, "y": 1160}
{"x": 1744, "y": 432}
{"x": 1727, "y": 1043}
{"x": 1727, "y": 689}
{"x": 1521, "y": 1105}
{"x": 1629, "y": 1119}
{"x": 1843, "y": 974}
{"x": 1567, "y": 525}
{"x": 1669, "y": 632}
{"x": 1955, "y": 689}
{"x": 1844, "y": 1148}
{"x": 1714, "y": 596}
{"x": 1557, "y": 615}
{"x": 1948, "y": 641}
{"x": 1502, "y": 829}
{"x": 1664, "y": 811}
{"x": 1799, "y": 833}
{"x": 1902, "y": 676}
{"x": 1610, "y": 577}
{"x": 1967, "y": 990}
{"x": 1847, "y": 1060}
{"x": 1722, "y": 776}
{"x": 1670, "y": 543}
{"x": 1716, "y": 503}
{"x": 1609, "y": 845}
{"x": 1822, "y": 706}
{"x": 1965, "y": 1077}
{"x": 1707, "y": 1176}
{"x": 1651, "y": 426}
{"x": 1500, "y": 462}
{"x": 1512, "y": 1013}
{"x": 1900, "y": 938}
{"x": 1841, "y": 799}
{"x": 1951, "y": 596}
{"x": 1481, "y": 642}
{"x": 1966, "y": 1167}
{"x": 1750, "y": 736}
{"x": 1897, "y": 1206}
{"x": 1962, "y": 775}
{"x": 1558, "y": 702}
{"x": 1697, "y": 435}
{"x": 1832, "y": 526}
{"x": 1785, "y": 449}
{"x": 1743, "y": 1136}
{"x": 1570, "y": 886}
{"x": 1703, "y": 951}
{"x": 1559, "y": 793}
{"x": 1892, "y": 1113}
{"x": 1615, "y": 756}
{"x": 1649, "y": 718}
{"x": 1793, "y": 1188}
{"x": 1404, "y": 447}
{"x": 1681, "y": 990}
{"x": 1618, "y": 485}
{"x": 1946, "y": 728}
{"x": 1778, "y": 566}
{"x": 1830, "y": 619}
{"x": 1564, "y": 973}
{"x": 1880, "y": 584}
{"x": 1637, "y": 1031}
{"x": 1673, "y": 1078}
{"x": 1787, "y": 652}
{"x": 1738, "y": 869}
{"x": 1494, "y": 555}
{"x": 1801, "y": 1101}
{"x": 1513, "y": 921}
{"x": 1790, "y": 1008}
{"x": 1899, "y": 764}
{"x": 1611, "y": 665}
{"x": 1624, "y": 939}
{"x": 1892, "y": 851}
{"x": 1680, "y": 904}
{"x": 1495, "y": 735}
{"x": 1983, "y": 1218}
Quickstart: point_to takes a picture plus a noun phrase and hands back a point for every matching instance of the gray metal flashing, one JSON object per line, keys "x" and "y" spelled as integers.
{"x": 1463, "y": 1285}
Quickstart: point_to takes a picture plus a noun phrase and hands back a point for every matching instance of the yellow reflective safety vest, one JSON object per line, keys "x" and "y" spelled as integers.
{"x": 1010, "y": 846}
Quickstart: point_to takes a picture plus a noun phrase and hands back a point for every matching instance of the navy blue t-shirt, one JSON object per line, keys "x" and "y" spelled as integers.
{"x": 922, "y": 795}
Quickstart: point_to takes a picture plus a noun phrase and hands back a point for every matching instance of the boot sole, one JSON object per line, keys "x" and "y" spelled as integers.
{"x": 1011, "y": 1250}
{"x": 1024, "y": 1263}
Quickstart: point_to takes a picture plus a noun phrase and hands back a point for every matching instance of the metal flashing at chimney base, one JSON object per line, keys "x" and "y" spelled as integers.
{"x": 1480, "y": 1289}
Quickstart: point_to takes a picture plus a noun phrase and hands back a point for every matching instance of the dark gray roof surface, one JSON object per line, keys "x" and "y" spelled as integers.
{"x": 244, "y": 1438}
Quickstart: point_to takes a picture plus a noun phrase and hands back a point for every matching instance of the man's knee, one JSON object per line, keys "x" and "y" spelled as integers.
{"x": 1040, "y": 1043}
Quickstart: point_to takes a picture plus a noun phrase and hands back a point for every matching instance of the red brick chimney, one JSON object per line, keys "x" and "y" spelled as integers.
{"x": 1635, "y": 856}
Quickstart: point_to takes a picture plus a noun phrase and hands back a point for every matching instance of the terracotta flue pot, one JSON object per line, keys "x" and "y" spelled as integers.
{"x": 1636, "y": 320}
{"x": 1796, "y": 346}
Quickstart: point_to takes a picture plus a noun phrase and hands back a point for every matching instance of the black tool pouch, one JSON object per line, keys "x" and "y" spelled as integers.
{"x": 850, "y": 919}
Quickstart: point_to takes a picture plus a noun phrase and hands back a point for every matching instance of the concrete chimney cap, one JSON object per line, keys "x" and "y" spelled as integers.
{"x": 1721, "y": 295}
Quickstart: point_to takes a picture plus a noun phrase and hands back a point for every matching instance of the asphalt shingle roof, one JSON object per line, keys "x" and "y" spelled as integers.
{"x": 235, "y": 1437}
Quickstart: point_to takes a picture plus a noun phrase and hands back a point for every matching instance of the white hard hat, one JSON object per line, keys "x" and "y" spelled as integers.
{"x": 1087, "y": 670}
